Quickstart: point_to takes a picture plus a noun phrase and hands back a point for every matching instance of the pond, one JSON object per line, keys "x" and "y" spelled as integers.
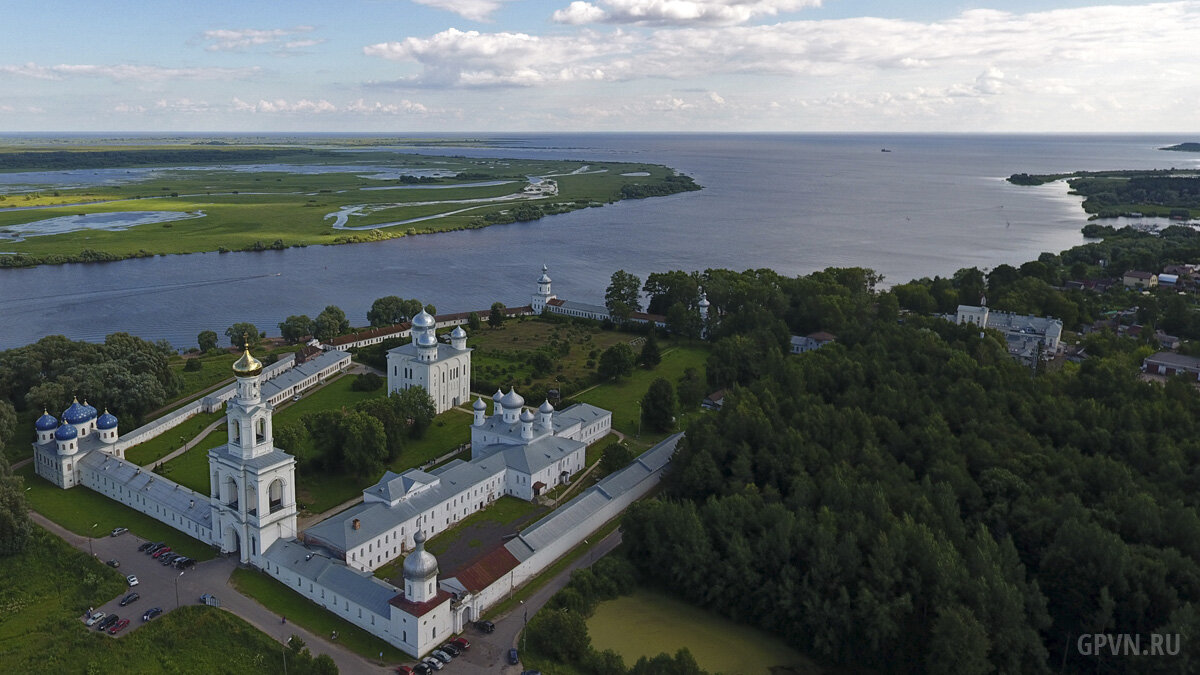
{"x": 647, "y": 623}
{"x": 116, "y": 220}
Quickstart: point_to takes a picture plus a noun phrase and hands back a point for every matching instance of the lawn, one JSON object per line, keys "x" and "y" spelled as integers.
{"x": 45, "y": 590}
{"x": 158, "y": 447}
{"x": 89, "y": 513}
{"x": 335, "y": 395}
{"x": 647, "y": 623}
{"x": 191, "y": 468}
{"x": 623, "y": 397}
{"x": 284, "y": 601}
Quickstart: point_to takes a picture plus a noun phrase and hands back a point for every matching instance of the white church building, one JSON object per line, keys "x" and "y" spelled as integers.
{"x": 443, "y": 370}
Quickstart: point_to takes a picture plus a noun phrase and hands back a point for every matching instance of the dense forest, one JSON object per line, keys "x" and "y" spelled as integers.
{"x": 909, "y": 499}
{"x": 1115, "y": 193}
{"x": 54, "y": 160}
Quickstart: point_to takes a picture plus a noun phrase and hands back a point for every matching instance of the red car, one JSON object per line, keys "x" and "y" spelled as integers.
{"x": 404, "y": 670}
{"x": 165, "y": 549}
{"x": 118, "y": 627}
{"x": 461, "y": 642}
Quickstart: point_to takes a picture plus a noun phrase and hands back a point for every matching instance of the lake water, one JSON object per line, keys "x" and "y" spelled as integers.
{"x": 794, "y": 203}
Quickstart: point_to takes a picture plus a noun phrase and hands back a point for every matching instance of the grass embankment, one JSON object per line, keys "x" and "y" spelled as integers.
{"x": 284, "y": 601}
{"x": 46, "y": 589}
{"x": 254, "y": 210}
{"x": 191, "y": 468}
{"x": 91, "y": 514}
{"x": 158, "y": 447}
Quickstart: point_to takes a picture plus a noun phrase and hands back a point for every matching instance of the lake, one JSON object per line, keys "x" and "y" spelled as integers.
{"x": 795, "y": 203}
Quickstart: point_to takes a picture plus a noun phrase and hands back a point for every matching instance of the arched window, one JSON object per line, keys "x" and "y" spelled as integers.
{"x": 260, "y": 430}
{"x": 275, "y": 495}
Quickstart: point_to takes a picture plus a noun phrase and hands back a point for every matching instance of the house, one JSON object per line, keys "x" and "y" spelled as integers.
{"x": 811, "y": 341}
{"x": 1139, "y": 279}
{"x": 1170, "y": 363}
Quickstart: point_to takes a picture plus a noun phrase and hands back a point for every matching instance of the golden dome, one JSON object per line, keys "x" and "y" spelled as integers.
{"x": 247, "y": 366}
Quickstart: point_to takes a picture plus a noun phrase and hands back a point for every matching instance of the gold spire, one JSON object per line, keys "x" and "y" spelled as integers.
{"x": 247, "y": 366}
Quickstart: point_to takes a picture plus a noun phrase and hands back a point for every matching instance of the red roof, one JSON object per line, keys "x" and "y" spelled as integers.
{"x": 367, "y": 334}
{"x": 420, "y": 608}
{"x": 642, "y": 316}
{"x": 485, "y": 571}
{"x": 555, "y": 301}
{"x": 822, "y": 336}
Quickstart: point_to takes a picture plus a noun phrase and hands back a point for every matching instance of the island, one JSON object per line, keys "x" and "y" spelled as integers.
{"x": 106, "y": 201}
{"x": 1170, "y": 193}
{"x": 1183, "y": 147}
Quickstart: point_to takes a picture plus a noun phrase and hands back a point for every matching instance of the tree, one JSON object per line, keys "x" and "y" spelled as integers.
{"x": 243, "y": 334}
{"x": 496, "y": 316}
{"x": 431, "y": 310}
{"x": 691, "y": 389}
{"x": 330, "y": 323}
{"x": 616, "y": 361}
{"x": 671, "y": 288}
{"x": 15, "y": 525}
{"x": 207, "y": 339}
{"x": 658, "y": 405}
{"x": 296, "y": 327}
{"x": 412, "y": 307}
{"x": 386, "y": 311}
{"x": 616, "y": 456}
{"x": 559, "y": 634}
{"x": 289, "y": 436}
{"x": 8, "y": 424}
{"x": 415, "y": 405}
{"x": 623, "y": 296}
{"x": 364, "y": 444}
{"x": 650, "y": 356}
{"x": 473, "y": 322}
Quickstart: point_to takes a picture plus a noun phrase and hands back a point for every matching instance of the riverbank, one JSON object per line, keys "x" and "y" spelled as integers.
{"x": 109, "y": 214}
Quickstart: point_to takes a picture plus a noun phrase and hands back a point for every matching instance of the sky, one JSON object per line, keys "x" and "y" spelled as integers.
{"x": 396, "y": 66}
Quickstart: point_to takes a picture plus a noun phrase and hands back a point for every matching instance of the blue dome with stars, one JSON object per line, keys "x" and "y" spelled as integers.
{"x": 78, "y": 413}
{"x": 65, "y": 433}
{"x": 107, "y": 421}
{"x": 46, "y": 422}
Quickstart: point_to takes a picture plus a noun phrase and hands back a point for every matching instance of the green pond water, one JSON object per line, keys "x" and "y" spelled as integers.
{"x": 647, "y": 623}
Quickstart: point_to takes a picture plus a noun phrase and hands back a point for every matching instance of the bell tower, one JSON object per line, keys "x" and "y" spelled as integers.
{"x": 543, "y": 295}
{"x": 252, "y": 483}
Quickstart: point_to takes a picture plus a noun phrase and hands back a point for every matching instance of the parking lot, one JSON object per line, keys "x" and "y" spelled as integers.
{"x": 158, "y": 585}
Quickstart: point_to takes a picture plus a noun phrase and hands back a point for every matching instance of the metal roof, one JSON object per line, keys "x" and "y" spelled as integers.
{"x": 361, "y": 588}
{"x": 181, "y": 500}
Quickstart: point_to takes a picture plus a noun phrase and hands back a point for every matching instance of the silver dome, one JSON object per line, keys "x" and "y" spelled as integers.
{"x": 546, "y": 407}
{"x": 526, "y": 416}
{"x": 426, "y": 340}
{"x": 512, "y": 400}
{"x": 479, "y": 404}
{"x": 420, "y": 564}
{"x": 423, "y": 320}
{"x": 458, "y": 333}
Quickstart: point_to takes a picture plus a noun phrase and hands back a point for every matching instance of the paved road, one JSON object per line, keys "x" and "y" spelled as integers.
{"x": 165, "y": 587}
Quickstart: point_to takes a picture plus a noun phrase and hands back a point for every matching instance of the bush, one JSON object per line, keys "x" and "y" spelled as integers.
{"x": 367, "y": 382}
{"x": 193, "y": 365}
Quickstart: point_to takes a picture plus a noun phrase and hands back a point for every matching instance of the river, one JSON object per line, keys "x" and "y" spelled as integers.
{"x": 794, "y": 203}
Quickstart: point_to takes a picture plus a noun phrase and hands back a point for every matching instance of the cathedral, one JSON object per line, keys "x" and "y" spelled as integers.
{"x": 443, "y": 370}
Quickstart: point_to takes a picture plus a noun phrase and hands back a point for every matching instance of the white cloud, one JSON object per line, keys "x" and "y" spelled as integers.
{"x": 404, "y": 107}
{"x": 474, "y": 59}
{"x": 1112, "y": 44}
{"x": 280, "y": 105}
{"x": 125, "y": 72}
{"x": 475, "y": 10}
{"x": 676, "y": 12}
{"x": 243, "y": 39}
{"x": 129, "y": 108}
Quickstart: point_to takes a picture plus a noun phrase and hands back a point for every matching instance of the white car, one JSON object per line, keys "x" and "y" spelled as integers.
{"x": 132, "y": 580}
{"x": 118, "y": 531}
{"x": 94, "y": 618}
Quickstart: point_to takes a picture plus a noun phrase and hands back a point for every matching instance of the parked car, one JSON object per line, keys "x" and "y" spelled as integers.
{"x": 531, "y": 672}
{"x": 513, "y": 658}
{"x": 118, "y": 531}
{"x": 113, "y": 563}
{"x": 108, "y": 621}
{"x": 155, "y": 546}
{"x": 441, "y": 656}
{"x": 485, "y": 626}
{"x": 210, "y": 599}
{"x": 451, "y": 649}
{"x": 434, "y": 663}
{"x": 151, "y": 613}
{"x": 421, "y": 669}
{"x": 168, "y": 559}
{"x": 132, "y": 580}
{"x": 161, "y": 552}
{"x": 129, "y": 598}
{"x": 296, "y": 397}
{"x": 145, "y": 546}
{"x": 94, "y": 618}
{"x": 404, "y": 670}
{"x": 183, "y": 562}
{"x": 461, "y": 643}
{"x": 118, "y": 627}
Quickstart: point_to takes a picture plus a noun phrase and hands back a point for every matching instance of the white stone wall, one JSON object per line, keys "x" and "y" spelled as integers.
{"x": 144, "y": 503}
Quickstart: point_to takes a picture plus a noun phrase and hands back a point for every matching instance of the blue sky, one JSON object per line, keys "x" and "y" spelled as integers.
{"x": 600, "y": 65}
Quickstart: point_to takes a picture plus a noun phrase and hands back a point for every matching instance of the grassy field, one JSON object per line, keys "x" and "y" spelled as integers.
{"x": 89, "y": 513}
{"x": 44, "y": 590}
{"x": 623, "y": 397}
{"x": 290, "y": 205}
{"x": 303, "y": 612}
{"x": 648, "y": 623}
{"x": 173, "y": 439}
{"x": 191, "y": 468}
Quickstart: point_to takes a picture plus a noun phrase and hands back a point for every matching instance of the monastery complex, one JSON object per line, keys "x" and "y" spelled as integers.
{"x": 251, "y": 512}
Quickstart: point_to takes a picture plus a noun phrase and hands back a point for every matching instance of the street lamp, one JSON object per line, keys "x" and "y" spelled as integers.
{"x": 526, "y": 628}
{"x": 282, "y": 648}
{"x": 90, "y": 548}
{"x": 177, "y": 589}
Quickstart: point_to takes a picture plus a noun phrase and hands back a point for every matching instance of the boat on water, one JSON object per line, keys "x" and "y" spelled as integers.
{"x": 884, "y": 150}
